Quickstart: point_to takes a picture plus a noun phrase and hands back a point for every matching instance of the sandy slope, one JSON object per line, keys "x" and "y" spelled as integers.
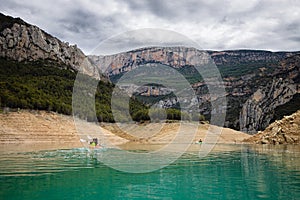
{"x": 166, "y": 132}
{"x": 40, "y": 130}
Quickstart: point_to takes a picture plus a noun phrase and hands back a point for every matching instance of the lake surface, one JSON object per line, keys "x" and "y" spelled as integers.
{"x": 236, "y": 172}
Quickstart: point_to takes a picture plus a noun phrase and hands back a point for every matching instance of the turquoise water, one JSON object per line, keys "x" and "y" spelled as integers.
{"x": 239, "y": 172}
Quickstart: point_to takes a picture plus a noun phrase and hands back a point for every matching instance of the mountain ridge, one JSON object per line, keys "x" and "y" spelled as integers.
{"x": 127, "y": 59}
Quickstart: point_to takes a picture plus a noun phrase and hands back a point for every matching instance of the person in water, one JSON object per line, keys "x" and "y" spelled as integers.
{"x": 200, "y": 141}
{"x": 94, "y": 143}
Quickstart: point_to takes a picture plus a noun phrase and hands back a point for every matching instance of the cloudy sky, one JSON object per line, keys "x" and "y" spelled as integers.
{"x": 213, "y": 24}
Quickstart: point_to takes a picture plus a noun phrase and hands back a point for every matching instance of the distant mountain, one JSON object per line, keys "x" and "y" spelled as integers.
{"x": 237, "y": 57}
{"x": 244, "y": 73}
{"x": 20, "y": 41}
{"x": 180, "y": 57}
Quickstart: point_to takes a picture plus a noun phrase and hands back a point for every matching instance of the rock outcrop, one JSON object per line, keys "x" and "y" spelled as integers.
{"x": 284, "y": 131}
{"x": 259, "y": 109}
{"x": 21, "y": 41}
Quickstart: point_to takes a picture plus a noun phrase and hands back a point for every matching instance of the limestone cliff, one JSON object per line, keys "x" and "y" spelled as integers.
{"x": 180, "y": 56}
{"x": 21, "y": 41}
{"x": 172, "y": 56}
{"x": 259, "y": 109}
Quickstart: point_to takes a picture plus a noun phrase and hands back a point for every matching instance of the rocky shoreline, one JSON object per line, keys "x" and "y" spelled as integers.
{"x": 284, "y": 131}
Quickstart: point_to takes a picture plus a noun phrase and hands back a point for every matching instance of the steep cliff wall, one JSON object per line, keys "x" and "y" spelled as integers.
{"x": 259, "y": 109}
{"x": 21, "y": 41}
{"x": 172, "y": 56}
{"x": 181, "y": 56}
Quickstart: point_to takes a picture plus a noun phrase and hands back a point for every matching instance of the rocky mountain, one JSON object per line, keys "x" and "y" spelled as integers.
{"x": 284, "y": 131}
{"x": 248, "y": 76}
{"x": 21, "y": 41}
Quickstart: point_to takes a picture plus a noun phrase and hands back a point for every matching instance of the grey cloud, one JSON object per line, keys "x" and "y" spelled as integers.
{"x": 295, "y": 38}
{"x": 156, "y": 7}
{"x": 173, "y": 11}
{"x": 228, "y": 24}
{"x": 142, "y": 38}
{"x": 79, "y": 21}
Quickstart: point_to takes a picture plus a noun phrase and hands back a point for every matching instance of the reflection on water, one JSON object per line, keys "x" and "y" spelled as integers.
{"x": 285, "y": 155}
{"x": 231, "y": 172}
{"x": 44, "y": 162}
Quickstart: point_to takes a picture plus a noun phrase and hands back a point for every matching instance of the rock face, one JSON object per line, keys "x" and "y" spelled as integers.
{"x": 259, "y": 109}
{"x": 172, "y": 56}
{"x": 284, "y": 131}
{"x": 20, "y": 41}
{"x": 180, "y": 56}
